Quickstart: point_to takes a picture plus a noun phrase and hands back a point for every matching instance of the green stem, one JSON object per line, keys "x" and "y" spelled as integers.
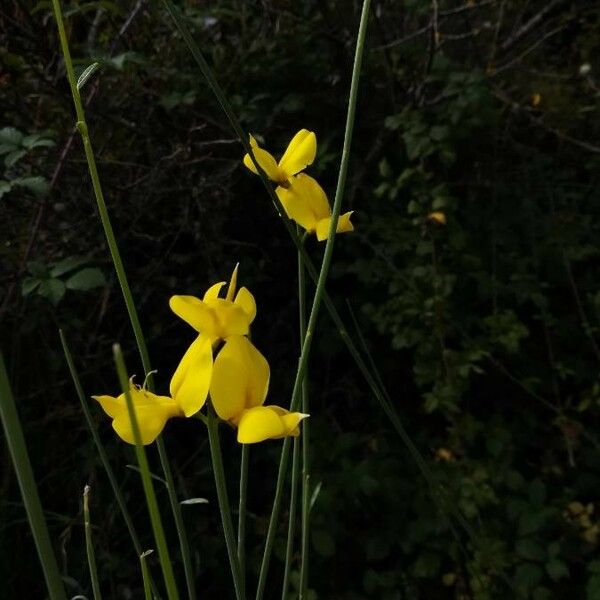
{"x": 327, "y": 255}
{"x": 155, "y": 519}
{"x": 102, "y": 453}
{"x": 146, "y": 576}
{"x": 89, "y": 546}
{"x": 241, "y": 543}
{"x": 289, "y": 548}
{"x": 304, "y": 546}
{"x": 15, "y": 441}
{"x": 125, "y": 289}
{"x": 219, "y": 471}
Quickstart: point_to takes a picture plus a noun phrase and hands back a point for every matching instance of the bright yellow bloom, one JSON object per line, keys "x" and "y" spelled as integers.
{"x": 437, "y": 217}
{"x": 238, "y": 389}
{"x": 214, "y": 319}
{"x": 305, "y": 202}
{"x": 151, "y": 411}
{"x": 300, "y": 153}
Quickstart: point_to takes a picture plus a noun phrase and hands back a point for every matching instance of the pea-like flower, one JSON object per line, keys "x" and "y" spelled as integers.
{"x": 214, "y": 319}
{"x": 151, "y": 411}
{"x": 239, "y": 386}
{"x": 300, "y": 153}
{"x": 305, "y": 202}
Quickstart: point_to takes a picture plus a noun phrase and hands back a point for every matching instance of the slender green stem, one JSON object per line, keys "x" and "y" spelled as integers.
{"x": 304, "y": 546}
{"x": 289, "y": 547}
{"x": 102, "y": 453}
{"x": 241, "y": 543}
{"x": 125, "y": 289}
{"x": 89, "y": 546}
{"x": 155, "y": 519}
{"x": 146, "y": 575}
{"x": 224, "y": 507}
{"x": 324, "y": 272}
{"x": 15, "y": 441}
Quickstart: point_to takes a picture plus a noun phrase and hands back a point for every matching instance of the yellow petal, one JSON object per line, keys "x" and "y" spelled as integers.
{"x": 291, "y": 422}
{"x": 265, "y": 160}
{"x": 343, "y": 226}
{"x": 240, "y": 378}
{"x": 245, "y": 300}
{"x": 152, "y": 412}
{"x": 230, "y": 318}
{"x": 213, "y": 291}
{"x": 296, "y": 208}
{"x": 191, "y": 380}
{"x": 230, "y": 379}
{"x": 113, "y": 407}
{"x": 195, "y": 312}
{"x": 232, "y": 283}
{"x": 259, "y": 424}
{"x": 300, "y": 153}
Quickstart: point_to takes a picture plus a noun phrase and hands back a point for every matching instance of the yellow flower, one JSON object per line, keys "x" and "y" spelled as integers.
{"x": 305, "y": 202}
{"x": 300, "y": 153}
{"x": 214, "y": 319}
{"x": 151, "y": 411}
{"x": 238, "y": 389}
{"x": 437, "y": 217}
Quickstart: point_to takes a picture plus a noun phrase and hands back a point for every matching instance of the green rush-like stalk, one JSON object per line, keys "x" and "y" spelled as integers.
{"x": 125, "y": 288}
{"x": 304, "y": 544}
{"x": 223, "y": 498}
{"x": 89, "y": 546}
{"x": 146, "y": 575}
{"x": 241, "y": 543}
{"x": 289, "y": 547}
{"x": 152, "y": 504}
{"x": 102, "y": 453}
{"x": 379, "y": 391}
{"x": 324, "y": 272}
{"x": 15, "y": 440}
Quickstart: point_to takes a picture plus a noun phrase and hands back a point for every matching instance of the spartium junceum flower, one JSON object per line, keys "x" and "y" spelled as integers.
{"x": 301, "y": 196}
{"x": 214, "y": 319}
{"x": 300, "y": 153}
{"x": 238, "y": 389}
{"x": 238, "y": 379}
{"x": 151, "y": 411}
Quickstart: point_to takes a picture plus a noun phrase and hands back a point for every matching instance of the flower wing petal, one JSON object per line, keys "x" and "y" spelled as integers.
{"x": 265, "y": 160}
{"x": 230, "y": 379}
{"x": 308, "y": 189}
{"x": 213, "y": 291}
{"x": 150, "y": 419}
{"x": 191, "y": 380}
{"x": 300, "y": 153}
{"x": 297, "y": 208}
{"x": 258, "y": 375}
{"x": 113, "y": 407}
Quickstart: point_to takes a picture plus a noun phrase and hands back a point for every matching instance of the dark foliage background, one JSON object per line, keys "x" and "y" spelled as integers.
{"x": 485, "y": 330}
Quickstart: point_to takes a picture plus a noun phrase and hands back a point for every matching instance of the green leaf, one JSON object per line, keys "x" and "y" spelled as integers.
{"x": 557, "y": 569}
{"x": 530, "y": 522}
{"x": 323, "y": 543}
{"x": 53, "y": 289}
{"x": 530, "y": 549}
{"x": 5, "y": 187}
{"x": 67, "y": 264}
{"x": 14, "y": 157}
{"x": 86, "y": 279}
{"x": 10, "y": 136}
{"x": 37, "y": 269}
{"x": 36, "y": 141}
{"x": 29, "y": 284}
{"x": 87, "y": 73}
{"x": 38, "y": 185}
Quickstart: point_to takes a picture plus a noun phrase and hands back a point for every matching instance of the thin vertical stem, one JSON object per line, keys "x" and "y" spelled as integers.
{"x": 320, "y": 289}
{"x": 89, "y": 546}
{"x": 304, "y": 547}
{"x": 241, "y": 543}
{"x": 125, "y": 289}
{"x": 15, "y": 441}
{"x": 289, "y": 548}
{"x": 146, "y": 575}
{"x": 223, "y": 498}
{"x": 152, "y": 504}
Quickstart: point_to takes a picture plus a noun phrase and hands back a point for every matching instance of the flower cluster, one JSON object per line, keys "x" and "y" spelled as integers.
{"x": 301, "y": 196}
{"x": 221, "y": 363}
